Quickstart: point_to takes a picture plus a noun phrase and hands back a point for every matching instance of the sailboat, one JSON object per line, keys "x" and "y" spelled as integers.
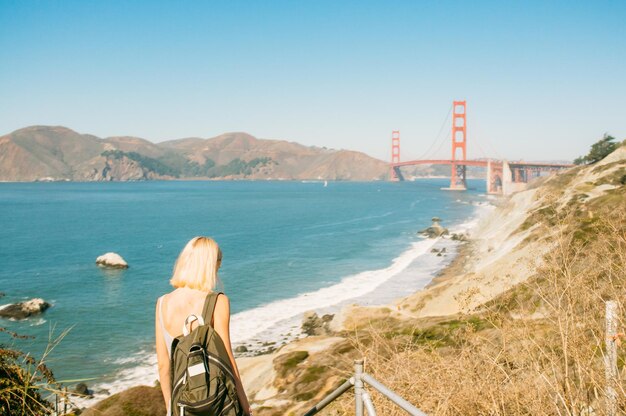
{"x": 325, "y": 184}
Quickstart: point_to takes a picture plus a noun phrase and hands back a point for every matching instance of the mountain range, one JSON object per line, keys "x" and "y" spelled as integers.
{"x": 56, "y": 153}
{"x": 59, "y": 153}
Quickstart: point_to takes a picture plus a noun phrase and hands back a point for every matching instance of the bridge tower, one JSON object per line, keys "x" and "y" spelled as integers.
{"x": 459, "y": 146}
{"x": 395, "y": 175}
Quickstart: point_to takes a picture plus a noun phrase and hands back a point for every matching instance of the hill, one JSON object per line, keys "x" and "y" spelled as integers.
{"x": 58, "y": 153}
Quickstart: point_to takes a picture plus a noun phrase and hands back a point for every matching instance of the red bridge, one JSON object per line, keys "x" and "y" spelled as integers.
{"x": 503, "y": 177}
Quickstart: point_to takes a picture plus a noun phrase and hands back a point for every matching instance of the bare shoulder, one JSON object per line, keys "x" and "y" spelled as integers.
{"x": 222, "y": 301}
{"x": 222, "y": 308}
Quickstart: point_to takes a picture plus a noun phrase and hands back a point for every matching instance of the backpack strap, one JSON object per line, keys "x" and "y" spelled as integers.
{"x": 190, "y": 319}
{"x": 209, "y": 306}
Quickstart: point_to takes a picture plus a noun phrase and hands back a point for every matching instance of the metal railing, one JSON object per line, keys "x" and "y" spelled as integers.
{"x": 361, "y": 396}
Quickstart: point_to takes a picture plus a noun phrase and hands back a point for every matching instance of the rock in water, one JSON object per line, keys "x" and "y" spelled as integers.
{"x": 23, "y": 310}
{"x": 435, "y": 230}
{"x": 112, "y": 261}
{"x": 81, "y": 389}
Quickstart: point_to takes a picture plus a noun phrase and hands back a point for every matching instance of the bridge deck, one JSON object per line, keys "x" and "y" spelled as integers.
{"x": 482, "y": 163}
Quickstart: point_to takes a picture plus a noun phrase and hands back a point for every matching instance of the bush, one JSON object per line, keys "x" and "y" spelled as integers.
{"x": 22, "y": 379}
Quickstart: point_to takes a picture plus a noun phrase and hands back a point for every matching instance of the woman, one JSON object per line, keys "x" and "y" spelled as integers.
{"x": 195, "y": 276}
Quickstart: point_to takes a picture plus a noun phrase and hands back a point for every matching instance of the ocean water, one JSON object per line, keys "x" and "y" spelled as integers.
{"x": 288, "y": 247}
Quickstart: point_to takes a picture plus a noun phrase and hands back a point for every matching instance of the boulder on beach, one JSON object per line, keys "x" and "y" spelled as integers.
{"x": 111, "y": 261}
{"x": 459, "y": 237}
{"x": 312, "y": 324}
{"x": 435, "y": 230}
{"x": 241, "y": 349}
{"x": 25, "y": 309}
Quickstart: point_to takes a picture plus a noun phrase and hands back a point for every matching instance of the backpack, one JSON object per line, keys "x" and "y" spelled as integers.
{"x": 203, "y": 381}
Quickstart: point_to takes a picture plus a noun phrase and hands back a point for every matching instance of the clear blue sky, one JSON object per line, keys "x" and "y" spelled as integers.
{"x": 542, "y": 79}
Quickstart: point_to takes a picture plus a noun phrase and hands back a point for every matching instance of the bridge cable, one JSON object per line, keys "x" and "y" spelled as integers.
{"x": 446, "y": 139}
{"x": 477, "y": 143}
{"x": 491, "y": 147}
{"x": 423, "y": 156}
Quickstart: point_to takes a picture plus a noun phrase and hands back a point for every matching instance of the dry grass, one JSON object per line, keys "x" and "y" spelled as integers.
{"x": 537, "y": 349}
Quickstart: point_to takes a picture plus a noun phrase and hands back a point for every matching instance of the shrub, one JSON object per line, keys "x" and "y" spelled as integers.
{"x": 23, "y": 379}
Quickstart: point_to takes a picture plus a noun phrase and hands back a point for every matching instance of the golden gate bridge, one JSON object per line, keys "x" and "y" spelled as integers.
{"x": 503, "y": 177}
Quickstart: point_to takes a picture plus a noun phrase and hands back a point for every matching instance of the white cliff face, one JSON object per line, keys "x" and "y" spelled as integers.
{"x": 111, "y": 260}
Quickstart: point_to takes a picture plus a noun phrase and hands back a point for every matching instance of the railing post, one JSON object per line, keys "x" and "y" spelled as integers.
{"x": 369, "y": 406}
{"x": 391, "y": 395}
{"x": 358, "y": 387}
{"x": 610, "y": 358}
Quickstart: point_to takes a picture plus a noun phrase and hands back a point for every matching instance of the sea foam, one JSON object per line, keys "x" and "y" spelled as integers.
{"x": 248, "y": 324}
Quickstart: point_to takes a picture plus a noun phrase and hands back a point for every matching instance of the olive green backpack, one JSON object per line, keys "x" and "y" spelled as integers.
{"x": 203, "y": 381}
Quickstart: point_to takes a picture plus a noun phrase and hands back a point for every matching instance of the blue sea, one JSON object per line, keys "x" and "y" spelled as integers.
{"x": 288, "y": 247}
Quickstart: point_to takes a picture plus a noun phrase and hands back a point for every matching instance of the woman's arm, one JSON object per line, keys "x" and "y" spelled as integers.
{"x": 221, "y": 323}
{"x": 164, "y": 361}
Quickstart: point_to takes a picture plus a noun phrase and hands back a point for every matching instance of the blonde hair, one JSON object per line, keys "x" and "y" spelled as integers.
{"x": 197, "y": 264}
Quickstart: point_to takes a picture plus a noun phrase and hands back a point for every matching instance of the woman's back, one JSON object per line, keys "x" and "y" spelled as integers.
{"x": 195, "y": 277}
{"x": 177, "y": 305}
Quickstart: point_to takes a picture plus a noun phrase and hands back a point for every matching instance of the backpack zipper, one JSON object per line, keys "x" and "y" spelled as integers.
{"x": 206, "y": 402}
{"x": 222, "y": 365}
{"x": 228, "y": 406}
{"x": 179, "y": 383}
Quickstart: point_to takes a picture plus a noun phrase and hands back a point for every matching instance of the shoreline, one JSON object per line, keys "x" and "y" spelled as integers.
{"x": 289, "y": 335}
{"x": 258, "y": 373}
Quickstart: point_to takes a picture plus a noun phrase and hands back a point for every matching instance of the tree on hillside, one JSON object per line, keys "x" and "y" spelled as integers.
{"x": 599, "y": 150}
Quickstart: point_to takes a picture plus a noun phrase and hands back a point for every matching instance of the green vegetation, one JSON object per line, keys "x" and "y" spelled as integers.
{"x": 240, "y": 167}
{"x": 287, "y": 362}
{"x": 313, "y": 373}
{"x": 436, "y": 335}
{"x": 22, "y": 378}
{"x": 176, "y": 165}
{"x": 599, "y": 150}
{"x": 185, "y": 167}
{"x": 148, "y": 163}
